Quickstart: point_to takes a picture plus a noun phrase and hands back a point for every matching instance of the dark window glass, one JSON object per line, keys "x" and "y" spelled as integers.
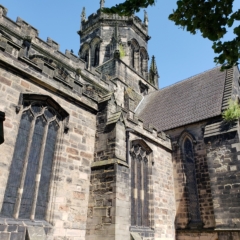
{"x": 139, "y": 188}
{"x": 191, "y": 183}
{"x": 27, "y": 191}
{"x": 29, "y": 184}
{"x": 17, "y": 164}
{"x": 46, "y": 171}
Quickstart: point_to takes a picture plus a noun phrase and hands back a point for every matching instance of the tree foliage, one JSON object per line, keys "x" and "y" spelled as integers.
{"x": 232, "y": 113}
{"x": 128, "y": 7}
{"x": 210, "y": 17}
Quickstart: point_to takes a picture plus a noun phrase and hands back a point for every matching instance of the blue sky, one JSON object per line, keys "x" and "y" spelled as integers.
{"x": 179, "y": 54}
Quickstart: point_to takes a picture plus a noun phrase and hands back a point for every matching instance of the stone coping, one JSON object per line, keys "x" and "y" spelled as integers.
{"x": 108, "y": 162}
{"x": 24, "y": 222}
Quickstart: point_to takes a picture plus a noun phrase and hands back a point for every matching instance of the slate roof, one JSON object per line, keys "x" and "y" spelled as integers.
{"x": 194, "y": 99}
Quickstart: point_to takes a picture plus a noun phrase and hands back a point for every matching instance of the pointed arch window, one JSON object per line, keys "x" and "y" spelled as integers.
{"x": 140, "y": 154}
{"x": 96, "y": 56}
{"x": 191, "y": 184}
{"x": 27, "y": 191}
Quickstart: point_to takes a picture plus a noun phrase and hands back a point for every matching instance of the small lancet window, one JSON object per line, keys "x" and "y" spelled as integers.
{"x": 191, "y": 184}
{"x": 27, "y": 190}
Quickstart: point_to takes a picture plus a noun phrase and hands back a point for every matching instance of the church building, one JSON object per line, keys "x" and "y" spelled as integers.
{"x": 93, "y": 150}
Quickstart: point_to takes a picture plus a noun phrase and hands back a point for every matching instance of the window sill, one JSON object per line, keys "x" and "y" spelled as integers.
{"x": 24, "y": 222}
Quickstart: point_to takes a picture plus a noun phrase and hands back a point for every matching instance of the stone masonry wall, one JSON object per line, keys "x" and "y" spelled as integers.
{"x": 70, "y": 185}
{"x": 223, "y": 154}
{"x": 109, "y": 203}
{"x": 101, "y": 204}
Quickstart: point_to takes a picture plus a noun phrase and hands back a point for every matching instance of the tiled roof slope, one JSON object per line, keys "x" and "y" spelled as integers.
{"x": 194, "y": 99}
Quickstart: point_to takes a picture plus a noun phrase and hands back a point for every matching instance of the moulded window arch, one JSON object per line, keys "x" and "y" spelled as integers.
{"x": 134, "y": 61}
{"x": 95, "y": 51}
{"x": 27, "y": 191}
{"x": 84, "y": 54}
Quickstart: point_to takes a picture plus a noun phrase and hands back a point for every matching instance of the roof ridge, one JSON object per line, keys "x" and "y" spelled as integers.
{"x": 189, "y": 78}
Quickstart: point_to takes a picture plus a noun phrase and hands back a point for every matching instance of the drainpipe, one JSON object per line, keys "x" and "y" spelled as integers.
{"x": 128, "y": 130}
{"x": 2, "y": 118}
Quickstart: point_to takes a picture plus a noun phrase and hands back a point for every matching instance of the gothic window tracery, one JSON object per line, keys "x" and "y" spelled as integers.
{"x": 27, "y": 191}
{"x": 139, "y": 186}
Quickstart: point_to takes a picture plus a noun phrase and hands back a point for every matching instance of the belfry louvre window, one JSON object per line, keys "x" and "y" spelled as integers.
{"x": 26, "y": 195}
{"x": 140, "y": 184}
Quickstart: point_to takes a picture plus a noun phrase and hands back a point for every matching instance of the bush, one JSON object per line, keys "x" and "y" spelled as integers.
{"x": 233, "y": 112}
{"x": 122, "y": 52}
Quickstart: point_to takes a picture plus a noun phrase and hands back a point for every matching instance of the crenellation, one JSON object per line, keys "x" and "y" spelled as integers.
{"x": 3, "y": 11}
{"x": 26, "y": 29}
{"x": 53, "y": 44}
{"x": 71, "y": 55}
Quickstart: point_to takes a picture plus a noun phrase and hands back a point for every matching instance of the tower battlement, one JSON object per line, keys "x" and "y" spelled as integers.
{"x": 110, "y": 20}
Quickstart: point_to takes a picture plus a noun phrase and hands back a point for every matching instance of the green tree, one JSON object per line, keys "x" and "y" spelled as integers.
{"x": 210, "y": 17}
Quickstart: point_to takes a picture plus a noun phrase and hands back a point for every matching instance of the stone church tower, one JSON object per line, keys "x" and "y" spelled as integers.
{"x": 94, "y": 150}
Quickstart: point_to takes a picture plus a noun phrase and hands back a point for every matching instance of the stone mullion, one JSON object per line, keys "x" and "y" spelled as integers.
{"x": 101, "y": 53}
{"x": 146, "y": 195}
{"x": 139, "y": 190}
{"x": 136, "y": 60}
{"x": 38, "y": 175}
{"x": 145, "y": 70}
{"x": 58, "y": 143}
{"x": 136, "y": 192}
{"x": 23, "y": 176}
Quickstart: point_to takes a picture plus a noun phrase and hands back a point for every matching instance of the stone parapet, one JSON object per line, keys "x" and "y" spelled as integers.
{"x": 111, "y": 19}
